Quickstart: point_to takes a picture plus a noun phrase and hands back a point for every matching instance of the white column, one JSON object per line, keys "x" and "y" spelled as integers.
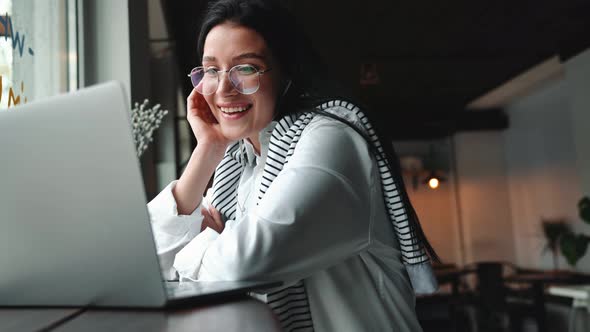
{"x": 106, "y": 42}
{"x": 577, "y": 75}
{"x": 483, "y": 196}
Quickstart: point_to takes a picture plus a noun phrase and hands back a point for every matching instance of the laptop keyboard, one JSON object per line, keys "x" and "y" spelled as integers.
{"x": 175, "y": 289}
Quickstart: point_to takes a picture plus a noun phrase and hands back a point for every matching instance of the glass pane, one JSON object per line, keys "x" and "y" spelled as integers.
{"x": 5, "y": 54}
{"x": 33, "y": 50}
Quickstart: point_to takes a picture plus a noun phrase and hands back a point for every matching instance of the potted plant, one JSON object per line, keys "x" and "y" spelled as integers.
{"x": 573, "y": 246}
{"x": 144, "y": 122}
{"x": 553, "y": 229}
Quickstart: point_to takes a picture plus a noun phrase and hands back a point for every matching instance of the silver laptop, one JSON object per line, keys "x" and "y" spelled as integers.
{"x": 74, "y": 227}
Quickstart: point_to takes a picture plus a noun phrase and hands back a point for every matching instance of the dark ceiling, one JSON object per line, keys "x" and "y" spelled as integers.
{"x": 434, "y": 57}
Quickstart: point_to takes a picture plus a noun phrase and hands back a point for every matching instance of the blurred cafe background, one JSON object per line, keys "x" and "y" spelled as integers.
{"x": 488, "y": 102}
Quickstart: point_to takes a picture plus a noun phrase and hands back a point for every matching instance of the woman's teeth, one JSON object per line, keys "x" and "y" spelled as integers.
{"x": 234, "y": 109}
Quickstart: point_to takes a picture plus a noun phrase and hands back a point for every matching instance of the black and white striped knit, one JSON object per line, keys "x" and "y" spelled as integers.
{"x": 291, "y": 304}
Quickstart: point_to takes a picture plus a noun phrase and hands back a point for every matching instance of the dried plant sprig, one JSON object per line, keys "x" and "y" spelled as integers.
{"x": 145, "y": 120}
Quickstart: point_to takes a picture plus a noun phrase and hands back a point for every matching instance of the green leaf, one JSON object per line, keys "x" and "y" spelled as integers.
{"x": 553, "y": 229}
{"x": 584, "y": 208}
{"x": 573, "y": 247}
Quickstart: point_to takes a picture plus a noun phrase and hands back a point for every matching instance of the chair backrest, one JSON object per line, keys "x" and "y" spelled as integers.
{"x": 490, "y": 285}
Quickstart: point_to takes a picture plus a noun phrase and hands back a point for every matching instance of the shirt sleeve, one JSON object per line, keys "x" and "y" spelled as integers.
{"x": 172, "y": 231}
{"x": 316, "y": 213}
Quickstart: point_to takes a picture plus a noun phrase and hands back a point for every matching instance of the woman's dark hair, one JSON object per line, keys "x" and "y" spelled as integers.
{"x": 310, "y": 82}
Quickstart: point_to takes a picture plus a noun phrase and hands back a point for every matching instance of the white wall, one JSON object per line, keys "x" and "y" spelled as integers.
{"x": 548, "y": 161}
{"x": 577, "y": 76}
{"x": 483, "y": 196}
{"x": 467, "y": 218}
{"x": 577, "y": 81}
{"x": 541, "y": 167}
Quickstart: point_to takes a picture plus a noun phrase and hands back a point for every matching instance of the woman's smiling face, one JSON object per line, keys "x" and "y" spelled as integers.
{"x": 240, "y": 116}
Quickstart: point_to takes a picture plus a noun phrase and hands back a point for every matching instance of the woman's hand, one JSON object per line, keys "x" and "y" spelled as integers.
{"x": 211, "y": 145}
{"x": 204, "y": 125}
{"x": 212, "y": 219}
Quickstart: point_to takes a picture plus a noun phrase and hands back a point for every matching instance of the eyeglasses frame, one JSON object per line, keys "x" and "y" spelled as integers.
{"x": 258, "y": 72}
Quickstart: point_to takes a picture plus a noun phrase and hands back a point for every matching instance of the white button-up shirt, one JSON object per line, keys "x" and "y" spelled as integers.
{"x": 323, "y": 220}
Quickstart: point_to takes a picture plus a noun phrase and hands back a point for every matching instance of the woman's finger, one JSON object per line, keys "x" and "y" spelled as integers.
{"x": 207, "y": 219}
{"x": 191, "y": 103}
{"x": 197, "y": 106}
{"x": 205, "y": 212}
{"x": 216, "y": 215}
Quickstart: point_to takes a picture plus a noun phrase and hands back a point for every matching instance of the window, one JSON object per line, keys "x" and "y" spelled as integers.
{"x": 35, "y": 56}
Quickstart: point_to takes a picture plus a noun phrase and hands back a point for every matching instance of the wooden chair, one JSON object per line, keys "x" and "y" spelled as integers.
{"x": 499, "y": 307}
{"x": 444, "y": 310}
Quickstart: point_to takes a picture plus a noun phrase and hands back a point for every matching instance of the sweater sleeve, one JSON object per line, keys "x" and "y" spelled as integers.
{"x": 315, "y": 214}
{"x": 172, "y": 231}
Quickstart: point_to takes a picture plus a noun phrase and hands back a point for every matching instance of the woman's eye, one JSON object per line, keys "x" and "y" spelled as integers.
{"x": 211, "y": 71}
{"x": 247, "y": 70}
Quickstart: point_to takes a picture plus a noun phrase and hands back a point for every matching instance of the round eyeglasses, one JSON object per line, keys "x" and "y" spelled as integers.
{"x": 245, "y": 79}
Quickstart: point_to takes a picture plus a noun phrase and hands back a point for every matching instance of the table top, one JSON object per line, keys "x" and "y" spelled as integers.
{"x": 581, "y": 292}
{"x": 450, "y": 274}
{"x": 31, "y": 319}
{"x": 553, "y": 277}
{"x": 246, "y": 314}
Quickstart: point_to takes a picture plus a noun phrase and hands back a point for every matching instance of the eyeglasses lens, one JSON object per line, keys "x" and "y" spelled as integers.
{"x": 244, "y": 80}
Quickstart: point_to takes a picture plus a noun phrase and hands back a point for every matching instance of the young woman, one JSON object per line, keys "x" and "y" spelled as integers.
{"x": 306, "y": 189}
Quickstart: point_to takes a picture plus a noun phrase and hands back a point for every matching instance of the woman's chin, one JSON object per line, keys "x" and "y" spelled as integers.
{"x": 234, "y": 135}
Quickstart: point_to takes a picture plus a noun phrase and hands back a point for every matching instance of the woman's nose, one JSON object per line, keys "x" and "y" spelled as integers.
{"x": 225, "y": 84}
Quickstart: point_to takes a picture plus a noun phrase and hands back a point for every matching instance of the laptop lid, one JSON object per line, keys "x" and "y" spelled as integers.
{"x": 74, "y": 228}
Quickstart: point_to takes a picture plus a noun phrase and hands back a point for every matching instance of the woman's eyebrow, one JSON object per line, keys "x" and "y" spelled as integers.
{"x": 250, "y": 55}
{"x": 208, "y": 58}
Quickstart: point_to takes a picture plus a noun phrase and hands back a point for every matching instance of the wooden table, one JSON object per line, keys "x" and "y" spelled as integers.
{"x": 32, "y": 319}
{"x": 245, "y": 314}
{"x": 539, "y": 281}
{"x": 445, "y": 275}
{"x": 452, "y": 275}
{"x": 580, "y": 296}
